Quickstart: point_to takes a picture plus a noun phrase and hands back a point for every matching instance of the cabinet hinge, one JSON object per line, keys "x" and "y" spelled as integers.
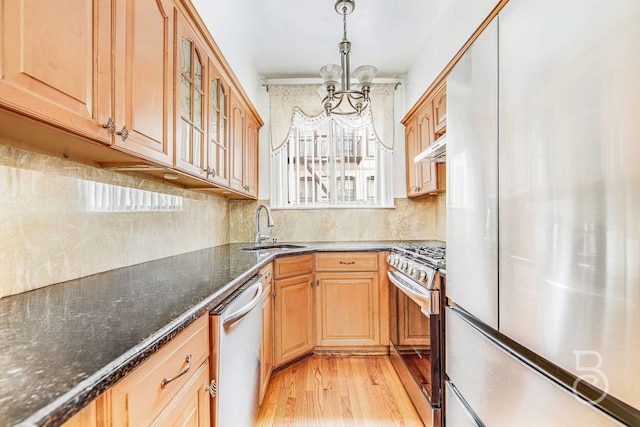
{"x": 212, "y": 388}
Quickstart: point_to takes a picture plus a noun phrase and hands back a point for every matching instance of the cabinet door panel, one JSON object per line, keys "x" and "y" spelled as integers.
{"x": 191, "y": 407}
{"x": 347, "y": 309}
{"x": 251, "y": 159}
{"x": 144, "y": 71}
{"x": 427, "y": 170}
{"x": 411, "y": 139}
{"x": 190, "y": 88}
{"x": 294, "y": 318}
{"x": 56, "y": 63}
{"x": 237, "y": 145}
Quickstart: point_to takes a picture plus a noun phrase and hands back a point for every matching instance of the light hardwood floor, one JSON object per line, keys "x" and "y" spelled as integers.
{"x": 337, "y": 391}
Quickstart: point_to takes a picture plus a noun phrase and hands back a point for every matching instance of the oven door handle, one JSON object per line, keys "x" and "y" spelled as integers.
{"x": 429, "y": 302}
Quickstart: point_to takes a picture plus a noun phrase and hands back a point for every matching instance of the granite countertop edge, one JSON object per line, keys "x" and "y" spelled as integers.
{"x": 72, "y": 401}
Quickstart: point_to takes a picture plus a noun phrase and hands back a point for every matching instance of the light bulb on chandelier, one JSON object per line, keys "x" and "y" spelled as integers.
{"x": 334, "y": 92}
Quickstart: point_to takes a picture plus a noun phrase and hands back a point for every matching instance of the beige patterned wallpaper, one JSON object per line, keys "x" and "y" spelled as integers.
{"x": 61, "y": 220}
{"x": 412, "y": 219}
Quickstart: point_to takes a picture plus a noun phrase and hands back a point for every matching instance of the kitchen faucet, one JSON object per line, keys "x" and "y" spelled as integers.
{"x": 259, "y": 237}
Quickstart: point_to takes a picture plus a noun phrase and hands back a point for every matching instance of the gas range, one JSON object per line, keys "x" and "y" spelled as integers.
{"x": 433, "y": 256}
{"x": 419, "y": 262}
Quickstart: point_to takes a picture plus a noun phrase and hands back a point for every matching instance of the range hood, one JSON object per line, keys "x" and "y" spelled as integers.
{"x": 436, "y": 152}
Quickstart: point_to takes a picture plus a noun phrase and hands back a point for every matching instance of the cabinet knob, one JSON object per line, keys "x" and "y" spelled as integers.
{"x": 124, "y": 133}
{"x": 110, "y": 126}
{"x": 211, "y": 172}
{"x": 212, "y": 388}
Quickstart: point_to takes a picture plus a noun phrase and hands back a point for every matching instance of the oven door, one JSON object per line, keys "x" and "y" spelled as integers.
{"x": 415, "y": 333}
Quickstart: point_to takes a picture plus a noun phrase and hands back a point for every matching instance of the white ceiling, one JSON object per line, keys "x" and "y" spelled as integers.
{"x": 294, "y": 38}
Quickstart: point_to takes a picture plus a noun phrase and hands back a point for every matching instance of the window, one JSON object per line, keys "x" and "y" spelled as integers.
{"x": 331, "y": 162}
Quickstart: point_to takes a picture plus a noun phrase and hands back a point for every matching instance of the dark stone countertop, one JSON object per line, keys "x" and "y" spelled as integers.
{"x": 62, "y": 346}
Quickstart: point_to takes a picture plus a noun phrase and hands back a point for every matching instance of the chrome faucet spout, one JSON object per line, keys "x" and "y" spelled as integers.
{"x": 259, "y": 236}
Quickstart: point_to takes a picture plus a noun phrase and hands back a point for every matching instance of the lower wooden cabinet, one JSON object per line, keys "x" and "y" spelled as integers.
{"x": 266, "y": 349}
{"x": 169, "y": 386}
{"x": 294, "y": 318}
{"x": 191, "y": 406}
{"x": 347, "y": 309}
{"x": 87, "y": 417}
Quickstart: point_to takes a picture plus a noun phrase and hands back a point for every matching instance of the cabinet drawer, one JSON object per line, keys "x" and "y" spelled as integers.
{"x": 293, "y": 266}
{"x": 139, "y": 398}
{"x": 347, "y": 261}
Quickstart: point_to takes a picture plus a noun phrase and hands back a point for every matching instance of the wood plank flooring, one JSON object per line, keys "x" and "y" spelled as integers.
{"x": 337, "y": 391}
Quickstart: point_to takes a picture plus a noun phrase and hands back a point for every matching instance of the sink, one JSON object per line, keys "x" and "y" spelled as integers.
{"x": 272, "y": 246}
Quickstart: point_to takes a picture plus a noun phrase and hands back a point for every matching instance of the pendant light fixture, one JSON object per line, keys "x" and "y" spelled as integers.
{"x": 335, "y": 93}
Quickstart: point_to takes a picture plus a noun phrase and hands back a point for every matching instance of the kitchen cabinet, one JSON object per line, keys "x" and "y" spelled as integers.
{"x": 191, "y": 96}
{"x": 218, "y": 134}
{"x": 129, "y": 85}
{"x": 347, "y": 299}
{"x": 170, "y": 387}
{"x": 87, "y": 417}
{"x": 266, "y": 349}
{"x": 250, "y": 155}
{"x": 244, "y": 150}
{"x": 56, "y": 63}
{"x": 143, "y": 85}
{"x": 425, "y": 123}
{"x": 440, "y": 111}
{"x": 238, "y": 127}
{"x": 294, "y": 307}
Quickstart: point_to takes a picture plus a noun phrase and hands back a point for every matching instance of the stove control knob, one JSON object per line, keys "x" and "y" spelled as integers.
{"x": 402, "y": 265}
{"x": 422, "y": 275}
{"x": 411, "y": 271}
{"x": 390, "y": 259}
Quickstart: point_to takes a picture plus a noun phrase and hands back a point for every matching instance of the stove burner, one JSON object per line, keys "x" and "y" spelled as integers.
{"x": 432, "y": 255}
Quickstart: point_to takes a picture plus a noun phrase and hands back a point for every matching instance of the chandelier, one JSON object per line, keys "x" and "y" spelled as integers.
{"x": 332, "y": 91}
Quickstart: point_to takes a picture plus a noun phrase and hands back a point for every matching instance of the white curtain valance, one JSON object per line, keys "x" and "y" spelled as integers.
{"x": 300, "y": 105}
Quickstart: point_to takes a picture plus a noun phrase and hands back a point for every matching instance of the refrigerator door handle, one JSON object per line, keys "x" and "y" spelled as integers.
{"x": 467, "y": 408}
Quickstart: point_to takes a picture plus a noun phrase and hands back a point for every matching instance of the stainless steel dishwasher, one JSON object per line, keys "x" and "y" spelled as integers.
{"x": 238, "y": 325}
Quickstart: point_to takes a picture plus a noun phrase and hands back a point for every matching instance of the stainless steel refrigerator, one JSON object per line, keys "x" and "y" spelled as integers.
{"x": 543, "y": 219}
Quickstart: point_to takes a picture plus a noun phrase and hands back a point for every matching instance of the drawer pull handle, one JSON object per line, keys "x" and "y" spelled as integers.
{"x": 347, "y": 262}
{"x": 166, "y": 381}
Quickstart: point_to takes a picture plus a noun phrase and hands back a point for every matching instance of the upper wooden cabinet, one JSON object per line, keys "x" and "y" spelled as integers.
{"x": 440, "y": 111}
{"x": 55, "y": 63}
{"x": 238, "y": 131}
{"x": 143, "y": 78}
{"x": 425, "y": 123}
{"x": 250, "y": 177}
{"x": 191, "y": 96}
{"x": 218, "y": 136}
{"x": 143, "y": 83}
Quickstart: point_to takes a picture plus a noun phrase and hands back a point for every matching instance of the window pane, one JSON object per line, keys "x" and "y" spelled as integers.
{"x": 197, "y": 75}
{"x": 185, "y": 99}
{"x": 185, "y": 141}
{"x": 186, "y": 57}
{"x": 330, "y": 166}
{"x": 197, "y": 148}
{"x": 197, "y": 109}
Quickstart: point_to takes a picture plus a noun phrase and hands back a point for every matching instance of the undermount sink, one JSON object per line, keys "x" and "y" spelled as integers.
{"x": 272, "y": 246}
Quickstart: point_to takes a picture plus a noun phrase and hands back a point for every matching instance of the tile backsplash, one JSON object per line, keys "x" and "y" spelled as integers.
{"x": 61, "y": 220}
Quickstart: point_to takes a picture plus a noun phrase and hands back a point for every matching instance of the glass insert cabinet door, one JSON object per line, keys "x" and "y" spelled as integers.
{"x": 218, "y": 153}
{"x": 191, "y": 134}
